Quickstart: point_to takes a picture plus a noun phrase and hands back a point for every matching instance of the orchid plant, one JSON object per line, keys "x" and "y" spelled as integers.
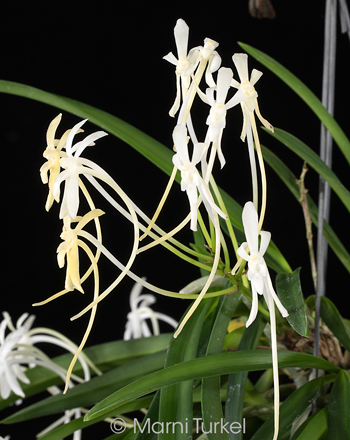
{"x": 202, "y": 368}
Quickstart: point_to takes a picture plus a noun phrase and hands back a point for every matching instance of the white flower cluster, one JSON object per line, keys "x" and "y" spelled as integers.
{"x": 19, "y": 351}
{"x": 190, "y": 68}
{"x": 195, "y": 160}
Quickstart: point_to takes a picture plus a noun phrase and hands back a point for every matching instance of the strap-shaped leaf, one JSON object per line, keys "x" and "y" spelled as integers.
{"x": 339, "y": 408}
{"x": 289, "y": 179}
{"x": 314, "y": 428}
{"x": 237, "y": 381}
{"x": 225, "y": 363}
{"x": 105, "y": 356}
{"x": 333, "y": 319}
{"x": 211, "y": 386}
{"x": 314, "y": 160}
{"x": 306, "y": 94}
{"x": 292, "y": 408}
{"x": 86, "y": 394}
{"x": 67, "y": 429}
{"x": 176, "y": 401}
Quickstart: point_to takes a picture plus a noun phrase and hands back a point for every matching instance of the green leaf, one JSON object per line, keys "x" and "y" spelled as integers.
{"x": 211, "y": 386}
{"x": 314, "y": 160}
{"x": 339, "y": 408}
{"x": 74, "y": 425}
{"x": 150, "y": 417}
{"x": 289, "y": 292}
{"x": 214, "y": 365}
{"x": 292, "y": 408}
{"x": 236, "y": 381}
{"x": 315, "y": 427}
{"x": 306, "y": 94}
{"x": 199, "y": 246}
{"x": 333, "y": 320}
{"x": 86, "y": 394}
{"x": 290, "y": 181}
{"x": 105, "y": 356}
{"x": 176, "y": 400}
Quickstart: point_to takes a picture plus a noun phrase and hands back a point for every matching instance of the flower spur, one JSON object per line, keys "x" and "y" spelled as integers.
{"x": 258, "y": 275}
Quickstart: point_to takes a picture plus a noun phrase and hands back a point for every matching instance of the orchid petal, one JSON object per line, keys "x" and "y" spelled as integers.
{"x": 264, "y": 243}
{"x": 255, "y": 76}
{"x": 88, "y": 141}
{"x": 250, "y": 223}
{"x": 241, "y": 62}
{"x": 224, "y": 79}
{"x": 242, "y": 251}
{"x": 254, "y": 309}
{"x": 180, "y": 142}
{"x": 171, "y": 58}
{"x": 71, "y": 135}
{"x": 181, "y": 32}
{"x": 51, "y": 131}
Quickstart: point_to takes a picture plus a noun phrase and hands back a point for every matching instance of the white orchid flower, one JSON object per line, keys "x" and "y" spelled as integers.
{"x": 217, "y": 116}
{"x": 258, "y": 273}
{"x": 185, "y": 63}
{"x": 259, "y": 277}
{"x": 209, "y": 53}
{"x": 10, "y": 362}
{"x": 18, "y": 352}
{"x": 136, "y": 326}
{"x": 191, "y": 181}
{"x": 73, "y": 166}
{"x": 247, "y": 94}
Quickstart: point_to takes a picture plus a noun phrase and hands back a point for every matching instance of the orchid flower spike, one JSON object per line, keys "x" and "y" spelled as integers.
{"x": 258, "y": 273}
{"x": 73, "y": 166}
{"x": 191, "y": 181}
{"x": 136, "y": 326}
{"x": 185, "y": 63}
{"x": 247, "y": 94}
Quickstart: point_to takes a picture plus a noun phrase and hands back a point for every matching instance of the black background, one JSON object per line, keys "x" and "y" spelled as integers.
{"x": 110, "y": 57}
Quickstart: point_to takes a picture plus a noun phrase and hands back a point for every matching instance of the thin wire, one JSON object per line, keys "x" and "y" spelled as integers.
{"x": 326, "y": 155}
{"x": 344, "y": 18}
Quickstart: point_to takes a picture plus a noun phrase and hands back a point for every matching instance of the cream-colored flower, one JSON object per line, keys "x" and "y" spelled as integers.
{"x": 69, "y": 248}
{"x": 51, "y": 168}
